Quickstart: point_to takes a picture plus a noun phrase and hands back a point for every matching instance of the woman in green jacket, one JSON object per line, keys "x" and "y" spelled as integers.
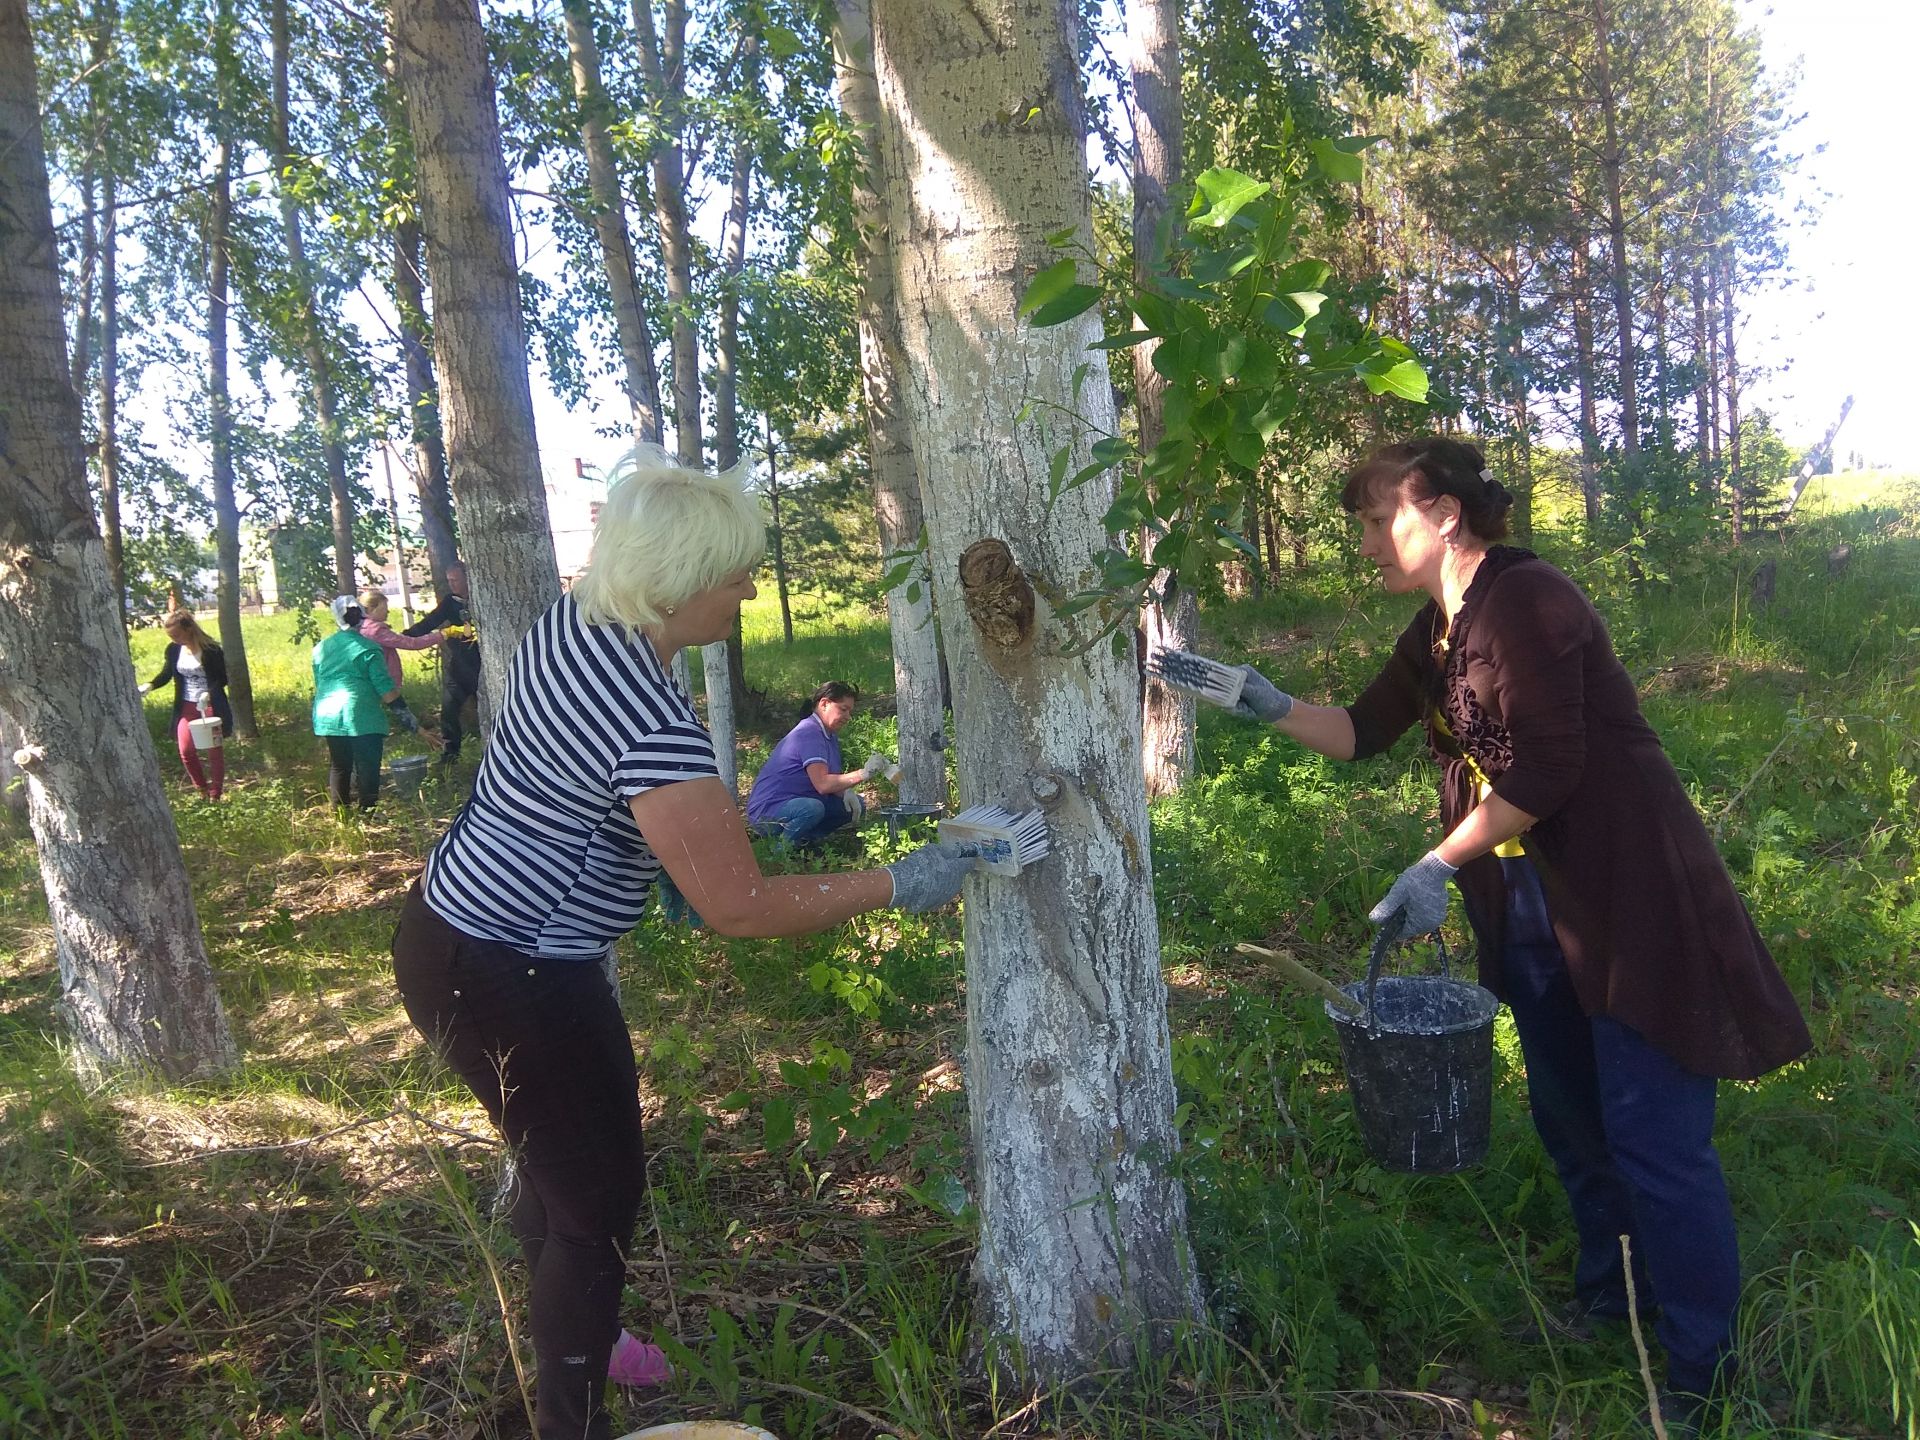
{"x": 350, "y": 688}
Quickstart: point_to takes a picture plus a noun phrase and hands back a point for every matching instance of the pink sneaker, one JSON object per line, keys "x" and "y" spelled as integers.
{"x": 638, "y": 1364}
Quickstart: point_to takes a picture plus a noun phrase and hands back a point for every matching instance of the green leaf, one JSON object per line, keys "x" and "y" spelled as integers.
{"x": 776, "y": 1122}
{"x": 1049, "y": 284}
{"x": 1219, "y": 194}
{"x": 1406, "y": 379}
{"x": 1076, "y": 301}
{"x": 1221, "y": 358}
{"x": 1111, "y": 450}
{"x": 1337, "y": 161}
{"x": 1302, "y": 275}
{"x": 1057, "y": 469}
{"x": 1245, "y": 449}
{"x": 1213, "y": 266}
{"x": 1156, "y": 312}
{"x": 781, "y": 43}
{"x": 1125, "y": 340}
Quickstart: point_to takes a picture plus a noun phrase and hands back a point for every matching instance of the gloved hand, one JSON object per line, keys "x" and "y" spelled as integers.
{"x": 1261, "y": 699}
{"x": 404, "y": 717}
{"x": 856, "y": 804}
{"x": 457, "y": 632}
{"x": 674, "y": 905}
{"x": 875, "y": 764}
{"x": 1422, "y": 890}
{"x": 144, "y": 689}
{"x": 927, "y": 878}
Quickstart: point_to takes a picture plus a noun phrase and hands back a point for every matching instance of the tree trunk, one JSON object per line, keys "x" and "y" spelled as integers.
{"x": 779, "y": 539}
{"x": 226, "y": 508}
{"x": 1702, "y": 385}
{"x": 1521, "y": 420}
{"x": 1735, "y": 480}
{"x": 610, "y": 224}
{"x": 307, "y": 320}
{"x": 1153, "y": 38}
{"x": 917, "y": 695}
{"x": 661, "y": 63}
{"x": 479, "y": 333}
{"x": 1661, "y": 378}
{"x": 423, "y": 406}
{"x": 1617, "y": 233}
{"x": 1083, "y": 1226}
{"x": 135, "y": 982}
{"x": 1583, "y": 365}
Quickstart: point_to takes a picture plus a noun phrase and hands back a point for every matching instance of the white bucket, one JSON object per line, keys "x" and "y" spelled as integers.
{"x": 701, "y": 1430}
{"x": 205, "y": 732}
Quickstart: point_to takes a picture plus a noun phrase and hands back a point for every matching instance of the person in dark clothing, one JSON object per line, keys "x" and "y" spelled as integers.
{"x": 1605, "y": 917}
{"x": 459, "y": 658}
{"x": 198, "y": 668}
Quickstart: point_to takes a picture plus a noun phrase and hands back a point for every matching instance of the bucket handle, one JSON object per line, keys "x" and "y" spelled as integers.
{"x": 1388, "y": 935}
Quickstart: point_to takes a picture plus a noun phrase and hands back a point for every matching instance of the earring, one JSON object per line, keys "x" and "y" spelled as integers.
{"x": 669, "y": 610}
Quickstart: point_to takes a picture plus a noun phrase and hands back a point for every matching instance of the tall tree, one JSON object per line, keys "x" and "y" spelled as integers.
{"x": 1083, "y": 1224}
{"x": 137, "y": 989}
{"x": 105, "y": 19}
{"x": 423, "y": 403}
{"x": 1171, "y": 616}
{"x": 479, "y": 334}
{"x": 918, "y": 699}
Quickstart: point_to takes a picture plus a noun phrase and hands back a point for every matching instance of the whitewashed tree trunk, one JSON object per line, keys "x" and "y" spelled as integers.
{"x": 136, "y": 986}
{"x": 662, "y": 55}
{"x": 1083, "y": 1230}
{"x": 918, "y": 701}
{"x": 479, "y": 333}
{"x": 1153, "y": 40}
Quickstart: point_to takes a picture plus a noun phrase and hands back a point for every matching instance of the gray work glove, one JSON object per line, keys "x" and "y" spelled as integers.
{"x": 1422, "y": 891}
{"x": 874, "y": 766}
{"x": 1261, "y": 699}
{"x": 927, "y": 878}
{"x": 404, "y": 717}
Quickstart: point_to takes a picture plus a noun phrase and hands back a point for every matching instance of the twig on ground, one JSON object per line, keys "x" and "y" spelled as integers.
{"x": 1640, "y": 1343}
{"x": 864, "y": 1416}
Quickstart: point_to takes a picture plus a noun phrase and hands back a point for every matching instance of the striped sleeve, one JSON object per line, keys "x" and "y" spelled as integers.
{"x": 680, "y": 750}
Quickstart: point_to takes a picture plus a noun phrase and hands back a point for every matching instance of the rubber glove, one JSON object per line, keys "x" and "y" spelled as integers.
{"x": 856, "y": 805}
{"x": 927, "y": 878}
{"x": 875, "y": 764}
{"x": 1261, "y": 699}
{"x": 404, "y": 717}
{"x": 1422, "y": 890}
{"x": 674, "y": 905}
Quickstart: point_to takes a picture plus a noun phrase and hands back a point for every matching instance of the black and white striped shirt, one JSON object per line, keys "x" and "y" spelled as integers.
{"x": 545, "y": 856}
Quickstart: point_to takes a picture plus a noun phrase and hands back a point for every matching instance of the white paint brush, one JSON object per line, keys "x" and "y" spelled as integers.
{"x": 1003, "y": 842}
{"x": 1198, "y": 676}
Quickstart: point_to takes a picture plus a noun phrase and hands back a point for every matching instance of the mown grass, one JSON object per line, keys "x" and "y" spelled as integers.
{"x": 310, "y": 1248}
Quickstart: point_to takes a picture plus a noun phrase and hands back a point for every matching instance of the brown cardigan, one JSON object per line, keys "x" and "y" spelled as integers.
{"x": 1655, "y": 935}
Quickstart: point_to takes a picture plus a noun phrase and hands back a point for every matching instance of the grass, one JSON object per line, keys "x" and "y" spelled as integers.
{"x": 310, "y": 1248}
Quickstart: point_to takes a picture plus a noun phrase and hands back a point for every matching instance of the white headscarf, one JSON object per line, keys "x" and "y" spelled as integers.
{"x": 342, "y": 604}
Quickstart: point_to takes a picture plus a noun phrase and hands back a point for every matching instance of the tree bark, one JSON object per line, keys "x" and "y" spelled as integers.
{"x": 1617, "y": 233}
{"x": 479, "y": 333}
{"x": 106, "y": 16}
{"x": 226, "y": 508}
{"x": 423, "y": 406}
{"x": 610, "y": 224}
{"x": 1153, "y": 38}
{"x": 1735, "y": 480}
{"x": 136, "y": 987}
{"x": 778, "y": 537}
{"x": 661, "y": 64}
{"x": 1083, "y": 1227}
{"x": 312, "y": 342}
{"x": 920, "y": 713}
{"x": 1521, "y": 420}
{"x": 1702, "y": 385}
{"x": 1583, "y": 366}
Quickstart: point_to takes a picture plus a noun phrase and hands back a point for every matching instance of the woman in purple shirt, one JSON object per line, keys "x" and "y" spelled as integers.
{"x": 802, "y": 794}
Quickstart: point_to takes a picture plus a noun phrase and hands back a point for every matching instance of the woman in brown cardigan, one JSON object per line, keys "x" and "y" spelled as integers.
{"x": 1605, "y": 917}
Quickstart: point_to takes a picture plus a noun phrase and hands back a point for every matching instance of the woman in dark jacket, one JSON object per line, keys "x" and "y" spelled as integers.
{"x": 198, "y": 668}
{"x": 1606, "y": 919}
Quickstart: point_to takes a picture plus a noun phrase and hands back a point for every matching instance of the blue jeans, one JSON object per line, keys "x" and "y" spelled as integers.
{"x": 807, "y": 819}
{"x": 1631, "y": 1133}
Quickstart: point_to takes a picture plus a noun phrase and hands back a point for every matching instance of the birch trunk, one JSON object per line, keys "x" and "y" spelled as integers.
{"x": 918, "y": 707}
{"x": 226, "y": 507}
{"x": 610, "y": 223}
{"x": 1153, "y": 37}
{"x": 136, "y": 986}
{"x": 662, "y": 56}
{"x": 479, "y": 333}
{"x": 312, "y": 341}
{"x": 1083, "y": 1230}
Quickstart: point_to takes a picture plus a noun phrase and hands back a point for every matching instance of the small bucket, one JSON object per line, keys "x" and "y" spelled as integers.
{"x": 405, "y": 774}
{"x": 1419, "y": 1065}
{"x": 206, "y": 732}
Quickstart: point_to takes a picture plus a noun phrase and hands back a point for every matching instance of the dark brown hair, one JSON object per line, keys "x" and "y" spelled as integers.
{"x": 832, "y": 690}
{"x": 1429, "y": 467}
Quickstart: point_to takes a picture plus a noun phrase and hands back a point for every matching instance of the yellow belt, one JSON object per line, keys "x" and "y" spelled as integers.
{"x": 1482, "y": 787}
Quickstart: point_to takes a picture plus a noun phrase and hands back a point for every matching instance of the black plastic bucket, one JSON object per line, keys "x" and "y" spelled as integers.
{"x": 1419, "y": 1064}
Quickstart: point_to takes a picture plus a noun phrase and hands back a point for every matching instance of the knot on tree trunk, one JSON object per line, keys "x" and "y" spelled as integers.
{"x": 997, "y": 593}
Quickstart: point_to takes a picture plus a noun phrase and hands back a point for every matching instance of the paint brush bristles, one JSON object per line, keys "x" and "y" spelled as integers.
{"x": 1198, "y": 676}
{"x": 1003, "y": 842}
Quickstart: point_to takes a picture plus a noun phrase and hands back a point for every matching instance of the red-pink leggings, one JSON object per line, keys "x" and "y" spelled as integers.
{"x": 207, "y": 780}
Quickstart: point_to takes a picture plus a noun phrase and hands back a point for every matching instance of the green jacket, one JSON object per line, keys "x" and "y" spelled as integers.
{"x": 349, "y": 677}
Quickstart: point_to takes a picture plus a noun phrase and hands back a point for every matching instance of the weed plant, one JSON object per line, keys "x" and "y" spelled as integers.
{"x": 313, "y": 1247}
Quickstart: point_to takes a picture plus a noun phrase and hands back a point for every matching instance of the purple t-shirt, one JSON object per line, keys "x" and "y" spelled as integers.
{"x": 784, "y": 776}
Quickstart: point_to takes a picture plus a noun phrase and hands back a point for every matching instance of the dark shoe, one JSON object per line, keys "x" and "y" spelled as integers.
{"x": 1683, "y": 1417}
{"x": 1575, "y": 1321}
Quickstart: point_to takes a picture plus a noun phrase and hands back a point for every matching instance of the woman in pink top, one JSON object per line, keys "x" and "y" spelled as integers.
{"x": 376, "y": 629}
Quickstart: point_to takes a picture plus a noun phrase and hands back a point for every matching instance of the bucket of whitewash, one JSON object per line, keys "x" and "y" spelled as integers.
{"x": 205, "y": 731}
{"x": 1419, "y": 1060}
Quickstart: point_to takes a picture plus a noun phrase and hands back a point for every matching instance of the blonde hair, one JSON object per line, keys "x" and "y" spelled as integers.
{"x": 665, "y": 533}
{"x": 372, "y": 600}
{"x": 183, "y": 620}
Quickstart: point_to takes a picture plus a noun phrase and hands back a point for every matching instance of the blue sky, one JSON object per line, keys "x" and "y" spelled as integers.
{"x": 1852, "y": 319}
